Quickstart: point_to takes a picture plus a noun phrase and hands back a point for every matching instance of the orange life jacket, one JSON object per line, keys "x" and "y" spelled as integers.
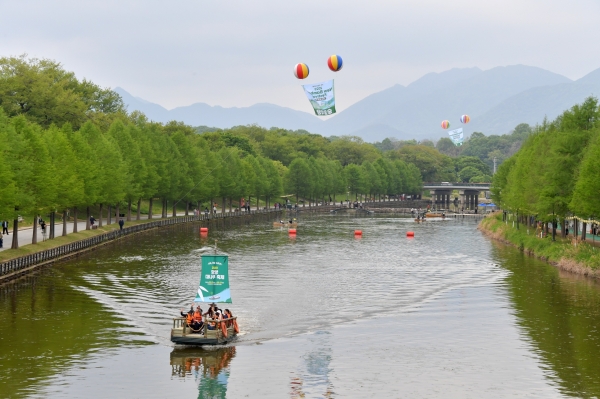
{"x": 188, "y": 319}
{"x": 197, "y": 316}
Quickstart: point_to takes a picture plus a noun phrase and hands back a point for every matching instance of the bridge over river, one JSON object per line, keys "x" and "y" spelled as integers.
{"x": 441, "y": 193}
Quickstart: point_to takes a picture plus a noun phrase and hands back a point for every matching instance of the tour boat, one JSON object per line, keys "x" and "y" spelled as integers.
{"x": 435, "y": 215}
{"x": 213, "y": 288}
{"x": 279, "y": 224}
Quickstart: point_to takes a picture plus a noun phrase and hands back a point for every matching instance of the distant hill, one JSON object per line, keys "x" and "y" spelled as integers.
{"x": 419, "y": 109}
{"x": 497, "y": 100}
{"x": 266, "y": 115}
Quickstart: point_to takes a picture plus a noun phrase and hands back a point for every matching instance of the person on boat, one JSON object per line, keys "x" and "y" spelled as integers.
{"x": 189, "y": 316}
{"x": 211, "y": 310}
{"x": 197, "y": 322}
{"x": 213, "y": 317}
{"x": 227, "y": 315}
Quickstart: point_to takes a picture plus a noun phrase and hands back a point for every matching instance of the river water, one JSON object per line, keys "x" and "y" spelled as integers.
{"x": 448, "y": 314}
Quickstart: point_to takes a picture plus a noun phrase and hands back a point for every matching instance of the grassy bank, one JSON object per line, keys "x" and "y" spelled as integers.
{"x": 568, "y": 254}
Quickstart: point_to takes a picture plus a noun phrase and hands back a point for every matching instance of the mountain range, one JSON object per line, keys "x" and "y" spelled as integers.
{"x": 497, "y": 100}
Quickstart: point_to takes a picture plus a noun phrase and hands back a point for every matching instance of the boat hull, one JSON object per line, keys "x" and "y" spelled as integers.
{"x": 210, "y": 337}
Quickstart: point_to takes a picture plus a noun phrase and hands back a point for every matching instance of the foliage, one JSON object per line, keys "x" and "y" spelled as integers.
{"x": 433, "y": 165}
{"x": 43, "y": 92}
{"x": 555, "y": 173}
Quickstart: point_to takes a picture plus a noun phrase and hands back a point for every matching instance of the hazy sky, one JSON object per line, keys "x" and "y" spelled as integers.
{"x": 241, "y": 52}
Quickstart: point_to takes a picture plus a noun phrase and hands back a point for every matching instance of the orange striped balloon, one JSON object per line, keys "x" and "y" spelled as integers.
{"x": 445, "y": 124}
{"x": 465, "y": 119}
{"x": 335, "y": 63}
{"x": 301, "y": 71}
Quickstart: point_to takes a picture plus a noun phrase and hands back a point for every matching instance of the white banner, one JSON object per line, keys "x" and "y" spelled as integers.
{"x": 321, "y": 97}
{"x": 456, "y": 136}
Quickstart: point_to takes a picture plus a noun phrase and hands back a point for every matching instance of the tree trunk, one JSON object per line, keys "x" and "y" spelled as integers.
{"x": 109, "y": 215}
{"x": 117, "y": 213}
{"x": 101, "y": 215}
{"x": 257, "y": 202}
{"x": 224, "y": 206}
{"x": 165, "y": 206}
{"x": 139, "y": 215}
{"x": 64, "y": 216}
{"x": 187, "y": 208}
{"x": 35, "y": 227}
{"x": 150, "y": 209}
{"x": 87, "y": 219}
{"x": 75, "y": 220}
{"x": 15, "y": 239}
{"x": 583, "y": 231}
{"x": 563, "y": 230}
{"x": 129, "y": 210}
{"x": 554, "y": 230}
{"x": 52, "y": 224}
{"x": 212, "y": 204}
{"x": 174, "y": 209}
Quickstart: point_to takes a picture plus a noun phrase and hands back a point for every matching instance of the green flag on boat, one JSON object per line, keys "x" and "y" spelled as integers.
{"x": 214, "y": 280}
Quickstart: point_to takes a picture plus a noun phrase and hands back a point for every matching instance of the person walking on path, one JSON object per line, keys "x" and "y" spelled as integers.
{"x": 43, "y": 226}
{"x": 5, "y": 227}
{"x": 1, "y": 241}
{"x": 121, "y": 223}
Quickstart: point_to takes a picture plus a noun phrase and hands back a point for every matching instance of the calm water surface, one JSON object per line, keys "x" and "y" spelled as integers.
{"x": 446, "y": 314}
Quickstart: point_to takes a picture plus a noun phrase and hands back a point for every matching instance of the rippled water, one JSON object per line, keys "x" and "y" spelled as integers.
{"x": 446, "y": 314}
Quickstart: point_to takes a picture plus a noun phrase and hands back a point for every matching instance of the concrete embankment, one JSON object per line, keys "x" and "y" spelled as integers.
{"x": 16, "y": 267}
{"x": 572, "y": 255}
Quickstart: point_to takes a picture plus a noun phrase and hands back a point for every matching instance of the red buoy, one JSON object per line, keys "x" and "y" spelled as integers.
{"x": 410, "y": 233}
{"x": 292, "y": 231}
{"x": 358, "y": 232}
{"x": 203, "y": 229}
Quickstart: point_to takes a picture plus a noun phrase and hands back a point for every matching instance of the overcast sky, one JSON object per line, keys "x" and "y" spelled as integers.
{"x": 242, "y": 52}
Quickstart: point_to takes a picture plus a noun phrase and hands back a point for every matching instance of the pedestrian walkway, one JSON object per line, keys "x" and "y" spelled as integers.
{"x": 26, "y": 233}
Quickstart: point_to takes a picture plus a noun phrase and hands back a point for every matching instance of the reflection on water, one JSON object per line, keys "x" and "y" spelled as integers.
{"x": 312, "y": 378}
{"x": 560, "y": 315}
{"x": 209, "y": 369}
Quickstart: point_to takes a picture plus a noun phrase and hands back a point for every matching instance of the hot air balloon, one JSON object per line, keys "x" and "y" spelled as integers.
{"x": 301, "y": 71}
{"x": 465, "y": 119}
{"x": 445, "y": 124}
{"x": 335, "y": 63}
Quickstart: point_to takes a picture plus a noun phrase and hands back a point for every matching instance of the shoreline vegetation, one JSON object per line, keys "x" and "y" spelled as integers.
{"x": 569, "y": 254}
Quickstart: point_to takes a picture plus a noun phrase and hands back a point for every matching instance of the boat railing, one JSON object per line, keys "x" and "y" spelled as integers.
{"x": 180, "y": 322}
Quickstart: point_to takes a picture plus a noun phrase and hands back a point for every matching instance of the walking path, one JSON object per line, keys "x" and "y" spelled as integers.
{"x": 26, "y": 233}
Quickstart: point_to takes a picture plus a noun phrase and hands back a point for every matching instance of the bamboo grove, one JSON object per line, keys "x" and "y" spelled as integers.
{"x": 555, "y": 176}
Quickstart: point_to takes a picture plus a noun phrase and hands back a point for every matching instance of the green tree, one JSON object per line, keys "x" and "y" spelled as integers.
{"x": 45, "y": 93}
{"x": 587, "y": 187}
{"x": 299, "y": 178}
{"x": 355, "y": 179}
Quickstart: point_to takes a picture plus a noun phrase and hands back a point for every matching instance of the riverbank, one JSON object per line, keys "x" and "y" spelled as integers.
{"x": 571, "y": 255}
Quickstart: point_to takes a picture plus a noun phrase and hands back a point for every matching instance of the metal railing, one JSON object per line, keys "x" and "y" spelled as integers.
{"x": 445, "y": 184}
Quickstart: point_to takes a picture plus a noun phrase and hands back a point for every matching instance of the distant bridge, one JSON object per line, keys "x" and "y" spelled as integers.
{"x": 456, "y": 186}
{"x": 441, "y": 193}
